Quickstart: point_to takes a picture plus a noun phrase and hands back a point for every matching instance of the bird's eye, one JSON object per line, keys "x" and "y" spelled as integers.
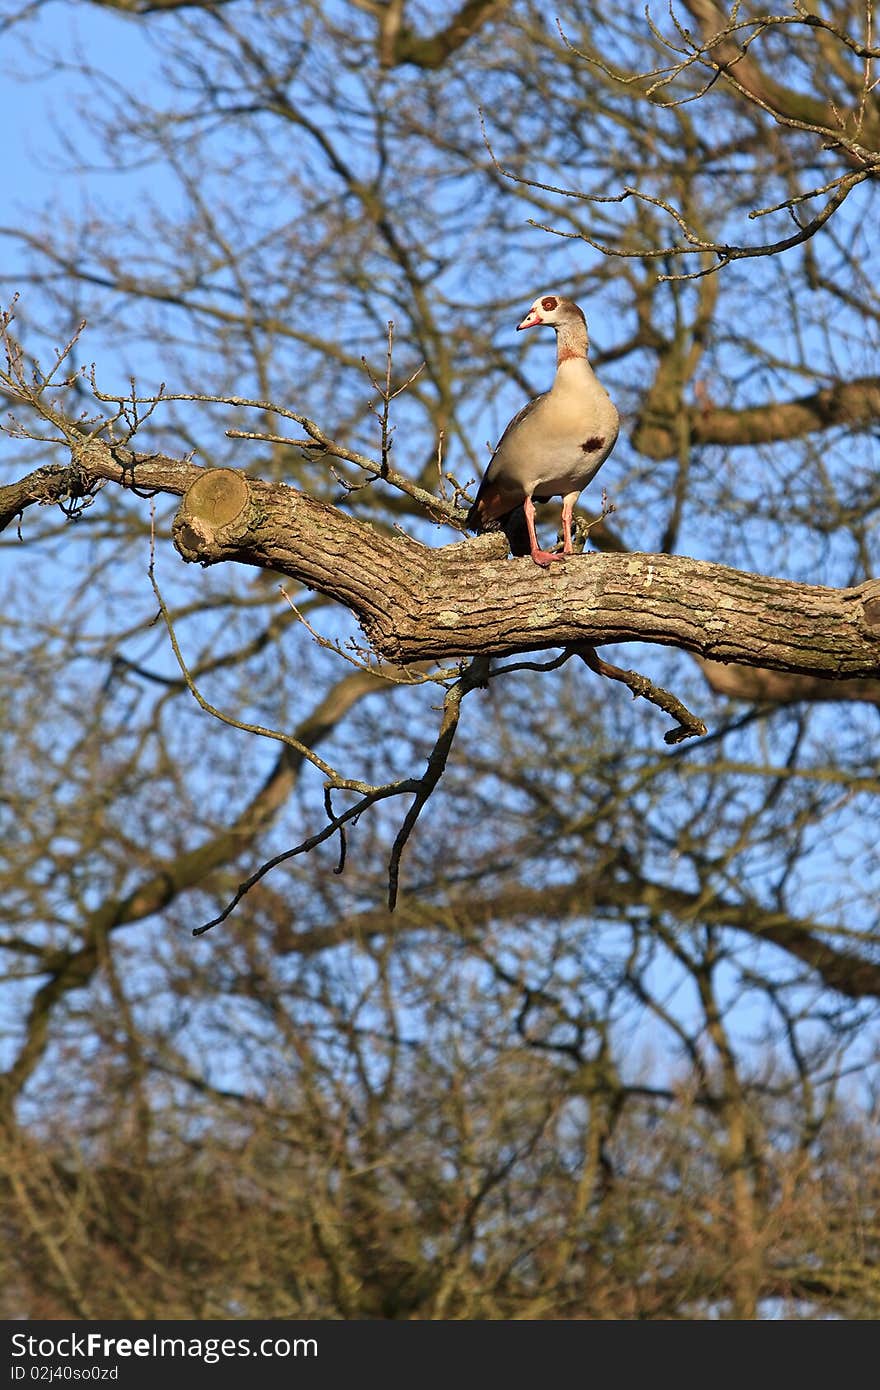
{"x": 549, "y": 304}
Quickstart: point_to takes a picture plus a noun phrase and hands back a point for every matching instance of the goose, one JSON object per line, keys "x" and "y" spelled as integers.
{"x": 558, "y": 442}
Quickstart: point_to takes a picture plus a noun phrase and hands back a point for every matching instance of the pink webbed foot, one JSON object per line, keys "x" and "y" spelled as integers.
{"x": 545, "y": 558}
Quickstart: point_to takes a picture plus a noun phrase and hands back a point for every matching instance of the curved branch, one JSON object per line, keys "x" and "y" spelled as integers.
{"x": 619, "y": 886}
{"x": 853, "y": 403}
{"x": 466, "y": 599}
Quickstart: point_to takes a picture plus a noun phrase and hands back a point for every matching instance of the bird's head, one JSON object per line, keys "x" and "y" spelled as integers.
{"x": 554, "y": 310}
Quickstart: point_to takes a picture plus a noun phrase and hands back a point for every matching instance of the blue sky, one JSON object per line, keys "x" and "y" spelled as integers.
{"x": 37, "y": 99}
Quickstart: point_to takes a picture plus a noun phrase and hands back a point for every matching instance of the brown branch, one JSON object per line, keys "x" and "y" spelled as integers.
{"x": 724, "y": 53}
{"x": 620, "y": 887}
{"x": 728, "y": 47}
{"x": 333, "y": 827}
{"x": 780, "y": 687}
{"x": 688, "y": 726}
{"x": 223, "y": 500}
{"x": 855, "y": 404}
{"x": 724, "y": 253}
{"x": 416, "y": 603}
{"x": 399, "y": 44}
{"x": 49, "y": 484}
{"x": 476, "y": 675}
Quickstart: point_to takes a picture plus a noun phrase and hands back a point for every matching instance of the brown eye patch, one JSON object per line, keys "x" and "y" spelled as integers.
{"x": 549, "y": 304}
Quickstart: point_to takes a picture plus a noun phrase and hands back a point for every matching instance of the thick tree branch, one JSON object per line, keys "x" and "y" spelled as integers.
{"x": 398, "y": 43}
{"x": 618, "y": 886}
{"x": 415, "y": 603}
{"x": 853, "y": 403}
{"x": 780, "y": 687}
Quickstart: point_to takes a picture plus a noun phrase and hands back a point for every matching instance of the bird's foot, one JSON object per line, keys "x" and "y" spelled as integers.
{"x": 545, "y": 558}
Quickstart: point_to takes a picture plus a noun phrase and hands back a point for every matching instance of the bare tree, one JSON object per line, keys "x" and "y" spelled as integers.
{"x": 611, "y": 1052}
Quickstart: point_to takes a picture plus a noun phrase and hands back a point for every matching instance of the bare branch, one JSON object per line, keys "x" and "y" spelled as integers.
{"x": 689, "y": 726}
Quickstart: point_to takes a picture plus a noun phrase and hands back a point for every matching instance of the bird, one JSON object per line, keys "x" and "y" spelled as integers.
{"x": 558, "y": 442}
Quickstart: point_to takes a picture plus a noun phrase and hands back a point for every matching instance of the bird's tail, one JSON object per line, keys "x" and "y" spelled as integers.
{"x": 474, "y": 519}
{"x": 512, "y": 523}
{"x": 489, "y": 506}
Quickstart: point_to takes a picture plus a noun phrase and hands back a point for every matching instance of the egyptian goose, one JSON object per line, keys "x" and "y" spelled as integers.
{"x": 556, "y": 443}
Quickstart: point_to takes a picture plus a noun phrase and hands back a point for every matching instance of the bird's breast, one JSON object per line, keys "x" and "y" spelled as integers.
{"x": 563, "y": 441}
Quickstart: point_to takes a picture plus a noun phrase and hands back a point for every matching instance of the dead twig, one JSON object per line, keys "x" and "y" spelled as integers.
{"x": 689, "y": 725}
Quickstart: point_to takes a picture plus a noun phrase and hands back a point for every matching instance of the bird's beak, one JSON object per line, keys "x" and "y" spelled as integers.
{"x": 531, "y": 319}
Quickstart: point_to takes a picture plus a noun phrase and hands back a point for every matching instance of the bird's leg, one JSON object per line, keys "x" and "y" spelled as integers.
{"x": 567, "y": 509}
{"x": 540, "y": 557}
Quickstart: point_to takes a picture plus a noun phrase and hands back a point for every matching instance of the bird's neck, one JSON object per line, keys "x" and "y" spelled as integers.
{"x": 571, "y": 342}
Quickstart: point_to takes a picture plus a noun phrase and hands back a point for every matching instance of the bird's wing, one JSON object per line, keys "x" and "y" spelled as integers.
{"x": 498, "y": 495}
{"x": 495, "y": 464}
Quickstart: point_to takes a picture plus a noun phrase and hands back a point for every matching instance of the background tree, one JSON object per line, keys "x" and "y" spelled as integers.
{"x": 613, "y": 1052}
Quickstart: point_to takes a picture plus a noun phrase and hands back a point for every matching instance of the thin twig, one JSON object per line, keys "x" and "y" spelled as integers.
{"x": 474, "y": 676}
{"x": 353, "y": 812}
{"x": 258, "y": 729}
{"x": 689, "y": 726}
